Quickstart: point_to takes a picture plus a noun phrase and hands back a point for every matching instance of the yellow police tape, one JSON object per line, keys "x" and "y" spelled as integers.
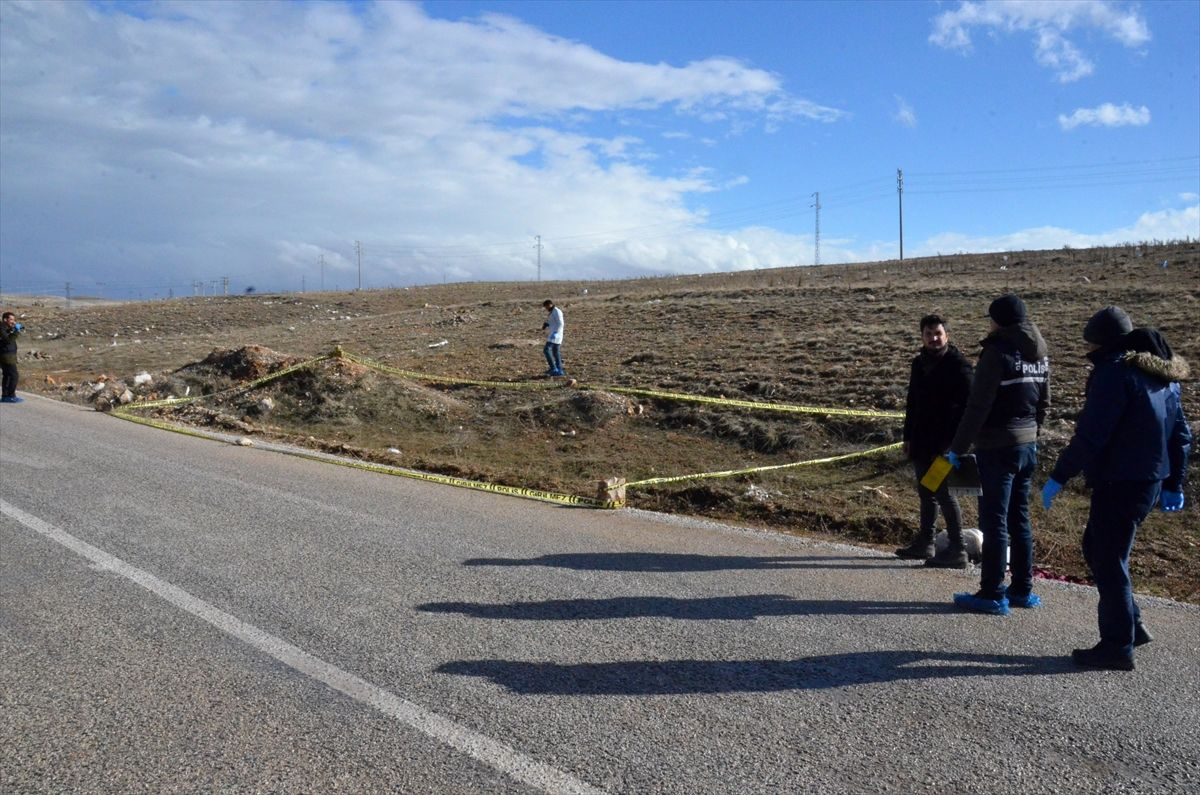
{"x": 516, "y": 491}
{"x": 447, "y": 379}
{"x": 233, "y": 390}
{"x": 682, "y": 396}
{"x": 748, "y": 404}
{"x": 729, "y": 473}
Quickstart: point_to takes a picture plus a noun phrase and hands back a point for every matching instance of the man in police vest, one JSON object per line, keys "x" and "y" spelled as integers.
{"x": 1005, "y": 411}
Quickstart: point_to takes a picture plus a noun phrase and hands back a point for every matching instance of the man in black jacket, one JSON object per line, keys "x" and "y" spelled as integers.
{"x": 1005, "y": 412}
{"x": 1131, "y": 443}
{"x": 10, "y": 329}
{"x": 937, "y": 394}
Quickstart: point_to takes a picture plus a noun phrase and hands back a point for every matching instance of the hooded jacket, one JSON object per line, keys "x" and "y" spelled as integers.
{"x": 1132, "y": 425}
{"x": 937, "y": 394}
{"x": 1010, "y": 392}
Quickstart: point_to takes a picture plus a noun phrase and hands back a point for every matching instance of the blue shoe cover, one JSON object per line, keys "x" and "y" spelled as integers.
{"x": 977, "y": 604}
{"x": 1029, "y": 600}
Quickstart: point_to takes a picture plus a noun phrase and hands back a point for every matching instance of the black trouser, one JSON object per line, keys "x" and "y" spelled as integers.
{"x": 1118, "y": 508}
{"x": 10, "y": 380}
{"x": 932, "y": 500}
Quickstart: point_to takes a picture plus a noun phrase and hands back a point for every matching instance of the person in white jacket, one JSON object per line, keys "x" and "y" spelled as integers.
{"x": 554, "y": 337}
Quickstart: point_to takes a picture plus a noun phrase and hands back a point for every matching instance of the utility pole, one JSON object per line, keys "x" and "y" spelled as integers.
{"x": 303, "y": 289}
{"x": 358, "y": 250}
{"x": 900, "y": 198}
{"x": 538, "y": 246}
{"x": 817, "y": 237}
{"x": 321, "y": 265}
{"x": 68, "y": 292}
{"x": 224, "y": 285}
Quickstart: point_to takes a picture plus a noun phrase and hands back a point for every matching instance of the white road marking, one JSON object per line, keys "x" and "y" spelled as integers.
{"x": 528, "y": 771}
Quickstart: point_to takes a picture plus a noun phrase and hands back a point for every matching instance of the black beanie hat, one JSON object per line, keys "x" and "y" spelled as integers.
{"x": 1007, "y": 310}
{"x": 1107, "y": 326}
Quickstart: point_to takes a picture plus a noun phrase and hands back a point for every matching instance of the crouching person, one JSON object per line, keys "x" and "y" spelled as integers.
{"x": 1131, "y": 442}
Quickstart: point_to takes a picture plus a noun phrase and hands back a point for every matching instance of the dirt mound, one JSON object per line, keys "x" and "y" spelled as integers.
{"x": 600, "y": 408}
{"x": 241, "y": 364}
{"x": 342, "y": 375}
{"x": 582, "y": 409}
{"x": 760, "y": 433}
{"x": 345, "y": 393}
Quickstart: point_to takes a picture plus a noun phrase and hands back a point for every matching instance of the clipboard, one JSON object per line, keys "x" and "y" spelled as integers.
{"x": 964, "y": 481}
{"x": 961, "y": 482}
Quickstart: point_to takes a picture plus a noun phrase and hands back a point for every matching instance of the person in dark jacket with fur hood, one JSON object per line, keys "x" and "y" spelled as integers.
{"x": 1131, "y": 443}
{"x": 1004, "y": 414}
{"x": 938, "y": 386}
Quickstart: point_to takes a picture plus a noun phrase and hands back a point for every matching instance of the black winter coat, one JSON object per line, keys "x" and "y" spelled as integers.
{"x": 937, "y": 394}
{"x": 1010, "y": 392}
{"x": 8, "y": 344}
{"x": 1132, "y": 425}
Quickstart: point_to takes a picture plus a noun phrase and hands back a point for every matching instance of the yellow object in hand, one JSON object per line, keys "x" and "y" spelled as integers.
{"x": 937, "y": 473}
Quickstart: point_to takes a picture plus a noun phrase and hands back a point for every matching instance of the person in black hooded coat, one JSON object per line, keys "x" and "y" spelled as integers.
{"x": 1131, "y": 443}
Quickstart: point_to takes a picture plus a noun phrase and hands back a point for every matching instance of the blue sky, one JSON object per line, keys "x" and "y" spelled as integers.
{"x": 145, "y": 147}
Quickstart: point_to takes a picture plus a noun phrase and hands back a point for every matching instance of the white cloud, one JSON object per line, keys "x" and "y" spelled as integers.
{"x": 1189, "y": 197}
{"x": 1048, "y": 22}
{"x": 1106, "y": 115}
{"x": 1176, "y": 224}
{"x": 904, "y": 113}
{"x": 259, "y": 136}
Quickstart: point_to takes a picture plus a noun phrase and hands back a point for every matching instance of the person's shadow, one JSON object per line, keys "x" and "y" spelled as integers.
{"x": 730, "y": 608}
{"x": 674, "y": 562}
{"x": 686, "y": 677}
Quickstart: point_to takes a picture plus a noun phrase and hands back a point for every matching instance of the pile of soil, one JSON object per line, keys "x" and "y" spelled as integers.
{"x": 247, "y": 363}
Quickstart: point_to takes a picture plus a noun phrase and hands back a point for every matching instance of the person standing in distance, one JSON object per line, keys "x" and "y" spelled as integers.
{"x": 10, "y": 329}
{"x": 938, "y": 386}
{"x": 1004, "y": 414}
{"x": 1131, "y": 443}
{"x": 554, "y": 337}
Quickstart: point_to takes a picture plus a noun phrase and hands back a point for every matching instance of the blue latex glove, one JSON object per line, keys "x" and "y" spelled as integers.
{"x": 954, "y": 459}
{"x": 1172, "y": 501}
{"x": 19, "y": 327}
{"x": 1049, "y": 492}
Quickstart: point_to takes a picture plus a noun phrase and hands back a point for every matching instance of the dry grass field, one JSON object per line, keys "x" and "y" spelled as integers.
{"x": 831, "y": 336}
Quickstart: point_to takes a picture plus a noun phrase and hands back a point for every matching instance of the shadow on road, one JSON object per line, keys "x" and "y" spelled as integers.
{"x": 665, "y": 561}
{"x": 737, "y": 608}
{"x": 684, "y": 677}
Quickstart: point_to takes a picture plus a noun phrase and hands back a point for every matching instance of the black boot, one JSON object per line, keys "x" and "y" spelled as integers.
{"x": 1101, "y": 656}
{"x": 951, "y": 557}
{"x": 920, "y": 549}
{"x": 1140, "y": 635}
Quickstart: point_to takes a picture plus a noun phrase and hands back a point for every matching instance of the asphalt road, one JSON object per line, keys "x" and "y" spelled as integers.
{"x": 181, "y": 615}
